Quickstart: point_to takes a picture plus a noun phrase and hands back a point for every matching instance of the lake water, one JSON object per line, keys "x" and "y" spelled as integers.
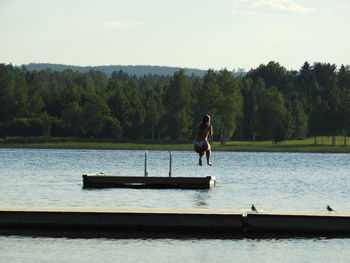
{"x": 272, "y": 181}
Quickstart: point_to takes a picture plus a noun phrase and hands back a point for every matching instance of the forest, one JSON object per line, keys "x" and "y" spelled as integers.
{"x": 268, "y": 103}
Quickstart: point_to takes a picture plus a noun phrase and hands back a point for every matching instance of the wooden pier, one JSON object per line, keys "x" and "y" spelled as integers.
{"x": 132, "y": 221}
{"x": 105, "y": 181}
{"x": 297, "y": 222}
{"x": 200, "y": 222}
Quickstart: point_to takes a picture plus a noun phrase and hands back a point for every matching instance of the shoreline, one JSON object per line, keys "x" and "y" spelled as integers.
{"x": 305, "y": 146}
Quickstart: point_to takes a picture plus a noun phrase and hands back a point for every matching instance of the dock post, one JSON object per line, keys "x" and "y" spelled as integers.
{"x": 146, "y": 173}
{"x": 170, "y": 163}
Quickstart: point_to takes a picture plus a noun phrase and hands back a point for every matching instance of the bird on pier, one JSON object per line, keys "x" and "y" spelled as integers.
{"x": 329, "y": 208}
{"x": 254, "y": 209}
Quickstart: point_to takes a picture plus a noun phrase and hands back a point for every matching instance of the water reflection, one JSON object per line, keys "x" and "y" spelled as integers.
{"x": 200, "y": 198}
{"x": 28, "y": 249}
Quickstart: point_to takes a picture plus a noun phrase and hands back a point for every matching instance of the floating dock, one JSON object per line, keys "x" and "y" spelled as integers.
{"x": 172, "y": 221}
{"x": 297, "y": 223}
{"x": 105, "y": 181}
{"x": 119, "y": 221}
{"x": 101, "y": 180}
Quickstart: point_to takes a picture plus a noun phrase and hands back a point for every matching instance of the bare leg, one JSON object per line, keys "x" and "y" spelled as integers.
{"x": 208, "y": 153}
{"x": 200, "y": 158}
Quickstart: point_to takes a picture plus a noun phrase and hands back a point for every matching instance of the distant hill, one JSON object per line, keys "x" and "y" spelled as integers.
{"x": 131, "y": 70}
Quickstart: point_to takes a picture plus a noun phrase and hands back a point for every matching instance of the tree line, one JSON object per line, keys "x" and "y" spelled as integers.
{"x": 108, "y": 70}
{"x": 268, "y": 103}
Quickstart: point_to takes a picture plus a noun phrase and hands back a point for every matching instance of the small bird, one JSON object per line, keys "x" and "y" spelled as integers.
{"x": 254, "y": 209}
{"x": 329, "y": 208}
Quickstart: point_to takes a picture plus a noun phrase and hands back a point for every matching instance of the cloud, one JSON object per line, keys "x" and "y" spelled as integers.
{"x": 254, "y": 7}
{"x": 118, "y": 24}
{"x": 343, "y": 5}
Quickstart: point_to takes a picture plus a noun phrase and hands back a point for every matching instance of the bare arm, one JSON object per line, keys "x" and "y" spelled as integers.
{"x": 210, "y": 135}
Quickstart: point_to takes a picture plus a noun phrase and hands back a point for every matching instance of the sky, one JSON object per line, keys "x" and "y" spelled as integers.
{"x": 200, "y": 34}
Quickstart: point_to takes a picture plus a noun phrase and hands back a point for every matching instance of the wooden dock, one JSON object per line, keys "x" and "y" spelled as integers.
{"x": 297, "y": 222}
{"x": 206, "y": 222}
{"x": 105, "y": 181}
{"x": 116, "y": 221}
{"x": 101, "y": 180}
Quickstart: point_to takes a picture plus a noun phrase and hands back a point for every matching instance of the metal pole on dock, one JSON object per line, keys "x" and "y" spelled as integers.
{"x": 146, "y": 173}
{"x": 170, "y": 163}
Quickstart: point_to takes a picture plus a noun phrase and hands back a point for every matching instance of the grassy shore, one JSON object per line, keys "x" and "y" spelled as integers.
{"x": 307, "y": 145}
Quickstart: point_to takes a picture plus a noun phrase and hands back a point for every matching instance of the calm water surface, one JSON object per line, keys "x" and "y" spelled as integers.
{"x": 272, "y": 181}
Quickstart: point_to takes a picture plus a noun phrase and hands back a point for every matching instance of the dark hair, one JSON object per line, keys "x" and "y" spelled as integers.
{"x": 206, "y": 118}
